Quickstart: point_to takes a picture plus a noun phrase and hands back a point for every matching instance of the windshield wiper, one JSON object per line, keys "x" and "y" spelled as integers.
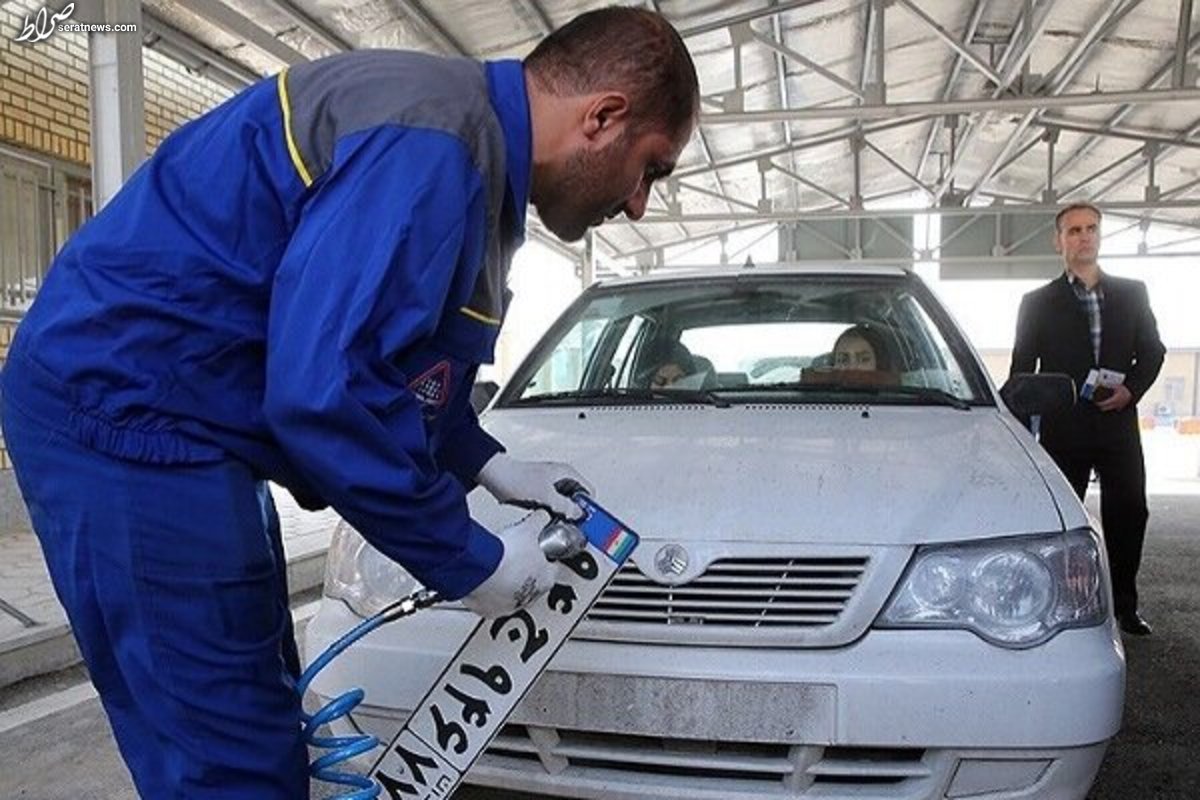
{"x": 625, "y": 396}
{"x": 925, "y": 393}
{"x": 928, "y": 393}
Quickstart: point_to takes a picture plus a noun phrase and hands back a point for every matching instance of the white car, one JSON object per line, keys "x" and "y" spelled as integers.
{"x": 859, "y": 576}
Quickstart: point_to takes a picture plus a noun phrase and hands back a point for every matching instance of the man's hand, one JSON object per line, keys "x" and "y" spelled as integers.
{"x": 523, "y": 573}
{"x": 532, "y": 484}
{"x": 1120, "y": 397}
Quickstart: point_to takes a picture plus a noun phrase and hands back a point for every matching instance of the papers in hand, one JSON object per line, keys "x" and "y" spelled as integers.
{"x": 1100, "y": 384}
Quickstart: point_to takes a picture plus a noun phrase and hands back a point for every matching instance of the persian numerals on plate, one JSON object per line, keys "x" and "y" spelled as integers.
{"x": 486, "y": 679}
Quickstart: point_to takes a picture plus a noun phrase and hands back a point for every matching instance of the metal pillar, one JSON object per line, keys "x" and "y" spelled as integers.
{"x": 118, "y": 125}
{"x": 1051, "y": 138}
{"x": 856, "y": 148}
{"x": 587, "y": 261}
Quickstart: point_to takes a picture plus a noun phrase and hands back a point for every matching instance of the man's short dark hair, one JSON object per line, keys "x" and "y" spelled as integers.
{"x": 1074, "y": 207}
{"x": 631, "y": 50}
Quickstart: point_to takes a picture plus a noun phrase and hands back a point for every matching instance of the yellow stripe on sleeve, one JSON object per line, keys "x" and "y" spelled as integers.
{"x": 473, "y": 314}
{"x": 286, "y": 105}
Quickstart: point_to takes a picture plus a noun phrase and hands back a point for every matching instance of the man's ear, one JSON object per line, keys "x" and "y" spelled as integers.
{"x": 605, "y": 117}
{"x": 1054, "y": 241}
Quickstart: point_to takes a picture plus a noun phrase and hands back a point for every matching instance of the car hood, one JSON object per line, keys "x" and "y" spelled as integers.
{"x": 789, "y": 473}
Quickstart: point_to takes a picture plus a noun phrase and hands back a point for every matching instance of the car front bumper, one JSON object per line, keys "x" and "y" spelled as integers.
{"x": 898, "y": 714}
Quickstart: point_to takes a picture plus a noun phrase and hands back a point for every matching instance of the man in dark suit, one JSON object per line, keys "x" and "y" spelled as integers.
{"x": 1084, "y": 320}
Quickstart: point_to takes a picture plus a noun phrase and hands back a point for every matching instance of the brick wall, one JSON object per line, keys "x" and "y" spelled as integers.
{"x": 174, "y": 96}
{"x": 44, "y": 90}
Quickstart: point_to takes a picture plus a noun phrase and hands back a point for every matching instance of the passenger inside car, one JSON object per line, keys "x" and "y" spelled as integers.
{"x": 860, "y": 355}
{"x": 861, "y": 348}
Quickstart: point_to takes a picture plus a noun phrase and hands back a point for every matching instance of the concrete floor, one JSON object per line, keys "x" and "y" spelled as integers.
{"x": 1154, "y": 755}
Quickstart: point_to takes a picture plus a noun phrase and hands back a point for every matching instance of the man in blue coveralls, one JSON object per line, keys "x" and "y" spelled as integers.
{"x": 299, "y": 287}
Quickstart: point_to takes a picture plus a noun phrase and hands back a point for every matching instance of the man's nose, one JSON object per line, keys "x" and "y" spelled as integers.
{"x": 635, "y": 206}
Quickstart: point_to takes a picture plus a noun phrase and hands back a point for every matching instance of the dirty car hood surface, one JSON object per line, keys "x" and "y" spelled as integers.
{"x": 897, "y": 475}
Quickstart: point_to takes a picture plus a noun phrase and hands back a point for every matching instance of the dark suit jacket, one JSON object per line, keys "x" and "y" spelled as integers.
{"x": 1052, "y": 336}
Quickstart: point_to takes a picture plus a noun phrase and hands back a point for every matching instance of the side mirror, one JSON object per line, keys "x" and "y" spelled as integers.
{"x": 482, "y": 393}
{"x": 1044, "y": 394}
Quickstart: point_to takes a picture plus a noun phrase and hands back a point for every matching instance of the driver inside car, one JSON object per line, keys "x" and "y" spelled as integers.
{"x": 668, "y": 365}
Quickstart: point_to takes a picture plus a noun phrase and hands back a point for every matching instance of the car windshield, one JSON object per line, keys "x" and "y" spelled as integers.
{"x": 786, "y": 338}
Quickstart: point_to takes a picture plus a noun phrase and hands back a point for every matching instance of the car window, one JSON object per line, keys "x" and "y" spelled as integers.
{"x": 621, "y": 365}
{"x": 796, "y": 338}
{"x": 938, "y": 369}
{"x": 563, "y": 369}
{"x": 766, "y": 352}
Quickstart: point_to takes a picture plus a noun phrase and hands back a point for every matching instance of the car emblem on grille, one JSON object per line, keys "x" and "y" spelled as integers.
{"x": 671, "y": 561}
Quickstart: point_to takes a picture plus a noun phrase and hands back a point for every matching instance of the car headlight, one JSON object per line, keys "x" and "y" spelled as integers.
{"x": 362, "y": 577}
{"x": 1013, "y": 592}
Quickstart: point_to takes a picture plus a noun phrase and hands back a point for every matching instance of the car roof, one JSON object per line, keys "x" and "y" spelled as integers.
{"x": 669, "y": 275}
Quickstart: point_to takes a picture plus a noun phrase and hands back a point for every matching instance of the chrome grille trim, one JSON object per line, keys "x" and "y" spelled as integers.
{"x": 798, "y": 592}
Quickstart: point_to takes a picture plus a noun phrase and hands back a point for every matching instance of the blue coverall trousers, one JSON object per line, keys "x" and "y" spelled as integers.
{"x": 173, "y": 579}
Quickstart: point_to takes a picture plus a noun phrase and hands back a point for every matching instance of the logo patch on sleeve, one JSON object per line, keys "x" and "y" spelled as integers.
{"x": 432, "y": 387}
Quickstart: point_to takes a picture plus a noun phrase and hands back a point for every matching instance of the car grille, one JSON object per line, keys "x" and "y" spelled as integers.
{"x": 785, "y": 593}
{"x": 722, "y": 768}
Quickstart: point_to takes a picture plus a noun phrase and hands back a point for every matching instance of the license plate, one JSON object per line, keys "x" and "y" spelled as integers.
{"x": 471, "y": 700}
{"x": 745, "y": 710}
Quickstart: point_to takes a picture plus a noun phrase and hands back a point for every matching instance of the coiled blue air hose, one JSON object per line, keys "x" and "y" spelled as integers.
{"x": 558, "y": 540}
{"x": 343, "y": 748}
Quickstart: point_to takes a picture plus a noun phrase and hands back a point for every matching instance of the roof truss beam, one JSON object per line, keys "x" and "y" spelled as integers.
{"x": 876, "y": 213}
{"x": 749, "y": 16}
{"x": 1179, "y": 71}
{"x": 972, "y": 106}
{"x": 309, "y": 25}
{"x": 816, "y": 187}
{"x": 1145, "y": 135}
{"x": 784, "y": 102}
{"x": 431, "y": 28}
{"x": 948, "y": 86}
{"x": 787, "y": 52}
{"x": 917, "y": 182}
{"x": 1035, "y": 20}
{"x": 1121, "y": 113}
{"x": 1100, "y": 173}
{"x": 235, "y": 24}
{"x": 1063, "y": 73}
{"x": 1151, "y": 155}
{"x": 180, "y": 46}
{"x": 868, "y": 107}
{"x": 962, "y": 48}
{"x": 816, "y": 140}
{"x": 1019, "y": 45}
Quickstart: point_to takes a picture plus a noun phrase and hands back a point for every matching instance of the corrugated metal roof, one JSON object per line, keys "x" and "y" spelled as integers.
{"x": 817, "y": 54}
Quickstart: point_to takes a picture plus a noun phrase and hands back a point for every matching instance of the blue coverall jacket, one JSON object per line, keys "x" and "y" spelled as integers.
{"x": 305, "y": 280}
